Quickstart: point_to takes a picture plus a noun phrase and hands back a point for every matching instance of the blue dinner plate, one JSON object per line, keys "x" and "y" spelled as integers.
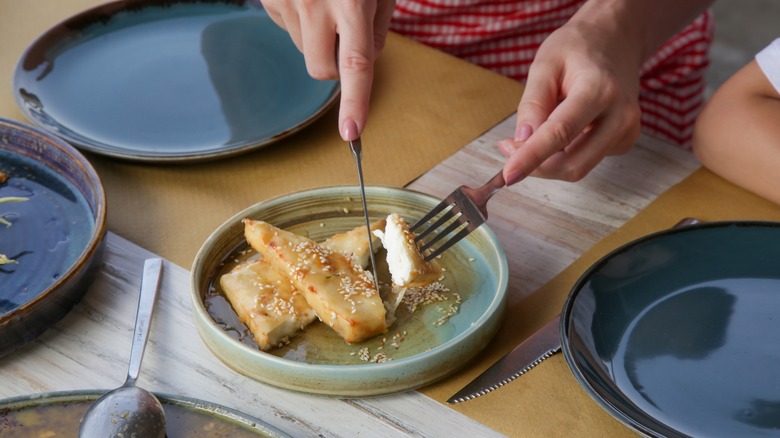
{"x": 675, "y": 334}
{"x": 155, "y": 80}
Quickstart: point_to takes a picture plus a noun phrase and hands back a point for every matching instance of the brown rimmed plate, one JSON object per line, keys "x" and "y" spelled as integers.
{"x": 169, "y": 81}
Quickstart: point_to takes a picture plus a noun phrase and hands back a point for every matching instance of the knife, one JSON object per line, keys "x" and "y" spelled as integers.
{"x": 357, "y": 149}
{"x": 539, "y": 346}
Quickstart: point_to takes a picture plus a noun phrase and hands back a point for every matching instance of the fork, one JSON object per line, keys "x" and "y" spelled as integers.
{"x": 463, "y": 211}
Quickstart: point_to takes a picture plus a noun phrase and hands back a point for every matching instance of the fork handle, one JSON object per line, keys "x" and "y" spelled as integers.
{"x": 495, "y": 184}
{"x": 481, "y": 195}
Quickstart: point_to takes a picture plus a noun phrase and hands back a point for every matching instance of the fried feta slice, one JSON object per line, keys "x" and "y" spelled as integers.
{"x": 354, "y": 243}
{"x": 407, "y": 265}
{"x": 336, "y": 287}
{"x": 267, "y": 302}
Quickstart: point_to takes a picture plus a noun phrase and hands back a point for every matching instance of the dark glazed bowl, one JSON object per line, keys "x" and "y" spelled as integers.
{"x": 23, "y": 416}
{"x": 56, "y": 236}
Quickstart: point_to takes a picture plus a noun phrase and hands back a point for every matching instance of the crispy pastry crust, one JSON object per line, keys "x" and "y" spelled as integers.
{"x": 354, "y": 243}
{"x": 336, "y": 287}
{"x": 267, "y": 302}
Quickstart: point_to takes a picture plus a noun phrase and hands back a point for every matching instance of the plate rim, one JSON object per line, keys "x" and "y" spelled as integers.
{"x": 493, "y": 312}
{"x": 616, "y": 412}
{"x": 39, "y": 399}
{"x": 121, "y": 152}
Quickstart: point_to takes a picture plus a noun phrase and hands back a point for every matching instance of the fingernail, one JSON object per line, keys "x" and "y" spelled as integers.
{"x": 523, "y": 132}
{"x": 349, "y": 130}
{"x": 506, "y": 148}
{"x": 514, "y": 176}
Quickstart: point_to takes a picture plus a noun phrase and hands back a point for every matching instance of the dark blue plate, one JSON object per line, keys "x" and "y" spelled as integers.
{"x": 155, "y": 80}
{"x": 676, "y": 334}
{"x": 53, "y": 236}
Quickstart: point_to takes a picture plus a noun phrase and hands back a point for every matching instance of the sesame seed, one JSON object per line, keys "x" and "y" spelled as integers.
{"x": 380, "y": 358}
{"x": 417, "y": 296}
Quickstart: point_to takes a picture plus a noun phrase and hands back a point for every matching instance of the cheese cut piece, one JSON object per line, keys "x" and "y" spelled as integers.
{"x": 337, "y": 288}
{"x": 407, "y": 265}
{"x": 354, "y": 243}
{"x": 267, "y": 302}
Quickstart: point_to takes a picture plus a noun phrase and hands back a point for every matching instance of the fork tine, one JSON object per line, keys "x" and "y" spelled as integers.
{"x": 445, "y": 217}
{"x": 468, "y": 211}
{"x": 458, "y": 222}
{"x": 439, "y": 207}
{"x": 455, "y": 239}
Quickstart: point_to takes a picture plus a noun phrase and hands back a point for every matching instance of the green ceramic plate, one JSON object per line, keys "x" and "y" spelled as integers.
{"x": 423, "y": 345}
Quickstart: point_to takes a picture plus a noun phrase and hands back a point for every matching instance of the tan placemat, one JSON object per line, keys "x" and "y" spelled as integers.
{"x": 548, "y": 401}
{"x": 426, "y": 105}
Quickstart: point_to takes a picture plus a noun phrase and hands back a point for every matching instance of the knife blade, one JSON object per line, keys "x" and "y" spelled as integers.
{"x": 539, "y": 346}
{"x": 357, "y": 148}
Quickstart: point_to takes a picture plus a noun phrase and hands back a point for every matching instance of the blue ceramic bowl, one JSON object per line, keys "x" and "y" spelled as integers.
{"x": 51, "y": 235}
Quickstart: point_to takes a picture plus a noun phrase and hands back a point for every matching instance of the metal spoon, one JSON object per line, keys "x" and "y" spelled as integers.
{"x": 129, "y": 410}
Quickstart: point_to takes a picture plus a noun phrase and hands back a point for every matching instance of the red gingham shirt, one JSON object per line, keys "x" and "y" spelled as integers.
{"x": 503, "y": 35}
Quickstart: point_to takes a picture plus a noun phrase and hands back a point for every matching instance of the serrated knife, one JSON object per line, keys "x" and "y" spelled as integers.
{"x": 539, "y": 346}
{"x": 357, "y": 148}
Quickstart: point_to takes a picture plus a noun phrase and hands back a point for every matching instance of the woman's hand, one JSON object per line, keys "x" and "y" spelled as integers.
{"x": 339, "y": 39}
{"x": 581, "y": 103}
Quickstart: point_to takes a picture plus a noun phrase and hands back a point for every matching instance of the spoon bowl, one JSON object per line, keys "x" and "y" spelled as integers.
{"x": 129, "y": 410}
{"x": 126, "y": 411}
